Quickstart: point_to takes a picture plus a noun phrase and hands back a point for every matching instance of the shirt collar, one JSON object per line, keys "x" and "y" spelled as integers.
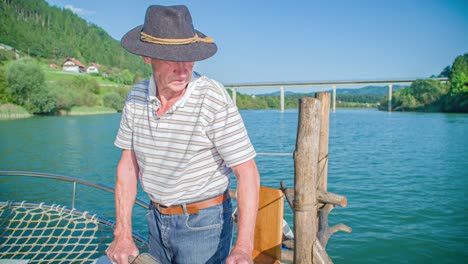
{"x": 181, "y": 102}
{"x": 152, "y": 90}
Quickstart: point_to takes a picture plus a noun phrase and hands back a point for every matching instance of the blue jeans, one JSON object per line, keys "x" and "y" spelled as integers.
{"x": 190, "y": 238}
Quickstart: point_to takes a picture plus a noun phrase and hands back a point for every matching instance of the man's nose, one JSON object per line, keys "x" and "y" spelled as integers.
{"x": 181, "y": 67}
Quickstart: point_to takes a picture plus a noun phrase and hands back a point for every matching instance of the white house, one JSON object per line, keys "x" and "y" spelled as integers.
{"x": 73, "y": 65}
{"x": 93, "y": 68}
{"x": 9, "y": 48}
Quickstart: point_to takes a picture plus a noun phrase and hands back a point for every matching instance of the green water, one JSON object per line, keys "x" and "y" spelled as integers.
{"x": 405, "y": 175}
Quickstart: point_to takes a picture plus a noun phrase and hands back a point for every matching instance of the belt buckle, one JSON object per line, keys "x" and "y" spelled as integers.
{"x": 167, "y": 209}
{"x": 191, "y": 210}
{"x": 157, "y": 206}
{"x": 160, "y": 207}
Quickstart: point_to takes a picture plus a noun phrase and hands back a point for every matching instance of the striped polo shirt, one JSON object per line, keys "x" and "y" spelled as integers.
{"x": 185, "y": 155}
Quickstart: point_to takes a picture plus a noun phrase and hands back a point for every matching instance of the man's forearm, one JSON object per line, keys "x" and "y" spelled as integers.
{"x": 125, "y": 193}
{"x": 248, "y": 184}
{"x": 123, "y": 245}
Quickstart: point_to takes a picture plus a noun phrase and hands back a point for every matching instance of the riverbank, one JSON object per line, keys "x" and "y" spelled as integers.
{"x": 84, "y": 110}
{"x": 11, "y": 111}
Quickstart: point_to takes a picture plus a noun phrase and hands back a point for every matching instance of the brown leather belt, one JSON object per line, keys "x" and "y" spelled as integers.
{"x": 192, "y": 208}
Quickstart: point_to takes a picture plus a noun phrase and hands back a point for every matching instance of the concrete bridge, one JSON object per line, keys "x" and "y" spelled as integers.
{"x": 283, "y": 85}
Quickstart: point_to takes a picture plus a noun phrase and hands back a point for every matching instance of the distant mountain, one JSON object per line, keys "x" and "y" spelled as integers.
{"x": 366, "y": 90}
{"x": 286, "y": 93}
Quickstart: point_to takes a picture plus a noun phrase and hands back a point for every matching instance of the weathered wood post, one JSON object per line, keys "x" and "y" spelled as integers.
{"x": 305, "y": 171}
{"x": 319, "y": 254}
{"x": 312, "y": 201}
{"x": 327, "y": 200}
{"x": 324, "y": 99}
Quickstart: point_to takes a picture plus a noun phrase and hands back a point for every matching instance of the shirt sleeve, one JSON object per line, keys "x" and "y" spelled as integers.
{"x": 124, "y": 138}
{"x": 229, "y": 135}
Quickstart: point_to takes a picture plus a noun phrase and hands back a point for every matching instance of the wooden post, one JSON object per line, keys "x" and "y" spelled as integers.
{"x": 324, "y": 99}
{"x": 322, "y": 177}
{"x": 305, "y": 178}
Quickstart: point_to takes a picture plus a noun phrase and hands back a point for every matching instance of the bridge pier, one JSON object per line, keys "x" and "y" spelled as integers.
{"x": 234, "y": 93}
{"x": 389, "y": 106}
{"x": 334, "y": 98}
{"x": 282, "y": 98}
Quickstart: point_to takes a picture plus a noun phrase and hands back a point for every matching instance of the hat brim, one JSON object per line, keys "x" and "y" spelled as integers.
{"x": 187, "y": 52}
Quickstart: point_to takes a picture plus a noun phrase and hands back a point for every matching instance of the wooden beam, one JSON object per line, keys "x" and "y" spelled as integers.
{"x": 324, "y": 197}
{"x": 305, "y": 178}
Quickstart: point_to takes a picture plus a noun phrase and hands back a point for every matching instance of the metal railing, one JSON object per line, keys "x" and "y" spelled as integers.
{"x": 75, "y": 181}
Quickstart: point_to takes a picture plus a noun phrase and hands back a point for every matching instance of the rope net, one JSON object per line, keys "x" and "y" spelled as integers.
{"x": 53, "y": 234}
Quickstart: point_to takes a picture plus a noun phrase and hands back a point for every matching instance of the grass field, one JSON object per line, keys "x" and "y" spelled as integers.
{"x": 52, "y": 76}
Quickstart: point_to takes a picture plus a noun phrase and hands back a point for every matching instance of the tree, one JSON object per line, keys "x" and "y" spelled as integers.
{"x": 127, "y": 77}
{"x": 113, "y": 100}
{"x": 403, "y": 100}
{"x": 64, "y": 96}
{"x": 27, "y": 88}
{"x": 422, "y": 95}
{"x": 4, "y": 97}
{"x": 426, "y": 91}
{"x": 85, "y": 91}
{"x": 445, "y": 72}
{"x": 459, "y": 75}
{"x": 457, "y": 98}
{"x": 79, "y": 91}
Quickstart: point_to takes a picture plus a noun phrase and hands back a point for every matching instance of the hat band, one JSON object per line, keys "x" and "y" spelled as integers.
{"x": 164, "y": 41}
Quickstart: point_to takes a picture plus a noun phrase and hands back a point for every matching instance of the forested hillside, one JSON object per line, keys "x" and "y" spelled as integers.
{"x": 42, "y": 35}
{"x": 34, "y": 28}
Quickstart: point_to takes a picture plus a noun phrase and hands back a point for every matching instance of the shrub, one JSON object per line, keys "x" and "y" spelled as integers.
{"x": 113, "y": 100}
{"x": 27, "y": 88}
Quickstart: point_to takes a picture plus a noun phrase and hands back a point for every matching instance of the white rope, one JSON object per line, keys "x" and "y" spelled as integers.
{"x": 51, "y": 234}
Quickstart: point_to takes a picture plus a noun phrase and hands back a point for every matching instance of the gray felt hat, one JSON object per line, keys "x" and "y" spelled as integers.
{"x": 168, "y": 34}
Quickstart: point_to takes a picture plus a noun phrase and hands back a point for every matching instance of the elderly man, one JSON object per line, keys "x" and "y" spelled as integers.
{"x": 182, "y": 137}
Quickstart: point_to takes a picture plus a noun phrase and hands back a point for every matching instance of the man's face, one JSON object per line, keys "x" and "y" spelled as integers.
{"x": 171, "y": 76}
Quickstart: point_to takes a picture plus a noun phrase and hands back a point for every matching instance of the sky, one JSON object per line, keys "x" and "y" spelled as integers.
{"x": 309, "y": 40}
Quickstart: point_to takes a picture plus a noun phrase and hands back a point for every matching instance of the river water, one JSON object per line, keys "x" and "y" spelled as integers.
{"x": 405, "y": 175}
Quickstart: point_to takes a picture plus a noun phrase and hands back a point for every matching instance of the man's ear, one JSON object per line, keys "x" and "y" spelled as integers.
{"x": 147, "y": 60}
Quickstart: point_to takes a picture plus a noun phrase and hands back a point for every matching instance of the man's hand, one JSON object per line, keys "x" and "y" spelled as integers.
{"x": 239, "y": 256}
{"x": 248, "y": 185}
{"x": 121, "y": 248}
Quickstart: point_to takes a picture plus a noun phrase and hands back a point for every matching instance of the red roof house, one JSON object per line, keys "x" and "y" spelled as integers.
{"x": 73, "y": 65}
